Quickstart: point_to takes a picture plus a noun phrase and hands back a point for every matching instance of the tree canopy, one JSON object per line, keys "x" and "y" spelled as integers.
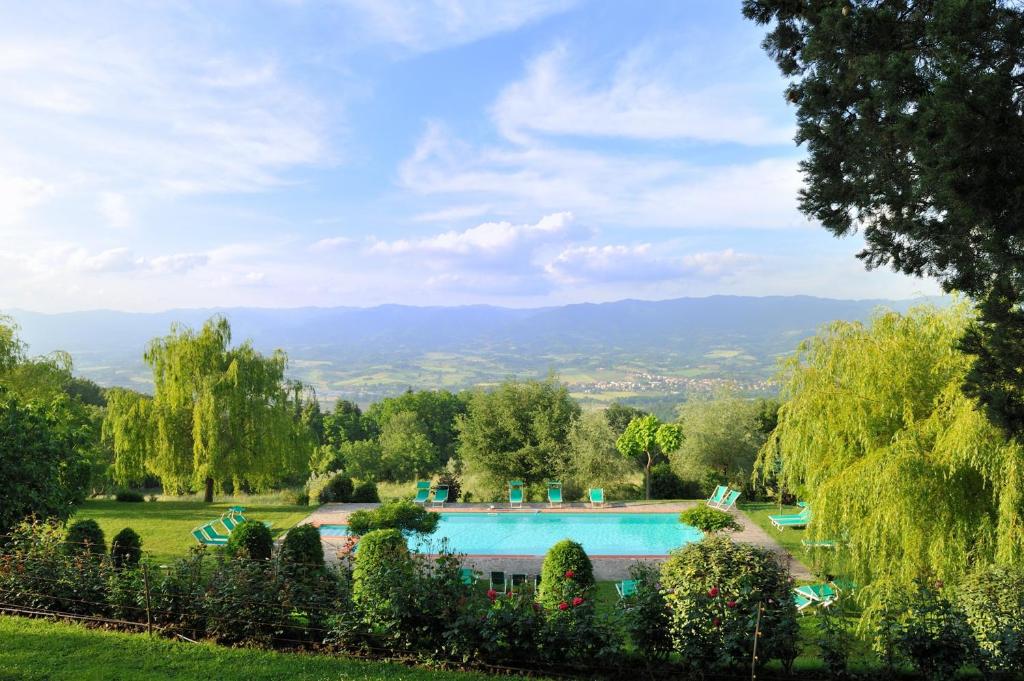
{"x": 912, "y": 114}
{"x": 899, "y": 466}
{"x": 643, "y": 438}
{"x": 219, "y": 414}
{"x": 518, "y": 431}
{"x": 723, "y": 436}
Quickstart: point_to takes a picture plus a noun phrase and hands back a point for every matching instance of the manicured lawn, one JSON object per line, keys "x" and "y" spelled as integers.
{"x": 39, "y": 650}
{"x": 789, "y": 538}
{"x": 165, "y": 526}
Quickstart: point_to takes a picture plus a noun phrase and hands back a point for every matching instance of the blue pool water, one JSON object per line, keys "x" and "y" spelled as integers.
{"x": 602, "y": 534}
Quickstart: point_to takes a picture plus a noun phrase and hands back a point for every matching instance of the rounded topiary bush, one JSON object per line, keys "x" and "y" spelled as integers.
{"x": 710, "y": 520}
{"x": 383, "y": 567}
{"x": 126, "y": 548}
{"x": 397, "y": 514}
{"x": 714, "y": 588}
{"x": 993, "y": 600}
{"x": 365, "y": 493}
{"x": 85, "y": 536}
{"x": 338, "y": 490}
{"x": 302, "y": 546}
{"x": 665, "y": 484}
{"x": 567, "y": 574}
{"x": 129, "y": 496}
{"x": 251, "y": 539}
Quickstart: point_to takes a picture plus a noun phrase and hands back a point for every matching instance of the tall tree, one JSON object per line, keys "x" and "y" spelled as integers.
{"x": 436, "y": 411}
{"x": 218, "y": 414}
{"x": 594, "y": 460}
{"x": 643, "y": 438}
{"x": 406, "y": 450}
{"x": 723, "y": 436}
{"x": 896, "y": 462}
{"x": 912, "y": 113}
{"x": 518, "y": 431}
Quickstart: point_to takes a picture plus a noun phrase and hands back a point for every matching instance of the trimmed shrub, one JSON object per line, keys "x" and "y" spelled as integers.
{"x": 126, "y": 548}
{"x": 382, "y": 569}
{"x": 365, "y": 493}
{"x": 714, "y": 589}
{"x": 710, "y": 520}
{"x": 129, "y": 496}
{"x": 302, "y": 546}
{"x": 929, "y": 630}
{"x": 337, "y": 489}
{"x": 251, "y": 539}
{"x": 993, "y": 601}
{"x": 665, "y": 484}
{"x": 566, "y": 574}
{"x": 397, "y": 514}
{"x": 85, "y": 536}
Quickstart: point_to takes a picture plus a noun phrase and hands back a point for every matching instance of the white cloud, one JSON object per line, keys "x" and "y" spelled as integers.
{"x": 425, "y": 25}
{"x": 488, "y": 240}
{"x": 641, "y": 263}
{"x": 453, "y": 213}
{"x": 640, "y": 102}
{"x": 115, "y": 210}
{"x": 608, "y": 188}
{"x": 18, "y": 195}
{"x": 330, "y": 243}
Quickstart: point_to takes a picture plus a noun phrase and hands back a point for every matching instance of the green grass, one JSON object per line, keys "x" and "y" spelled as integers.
{"x": 165, "y": 526}
{"x": 788, "y": 538}
{"x": 37, "y": 650}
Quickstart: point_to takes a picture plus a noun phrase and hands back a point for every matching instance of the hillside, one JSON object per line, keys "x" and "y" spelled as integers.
{"x": 625, "y": 349}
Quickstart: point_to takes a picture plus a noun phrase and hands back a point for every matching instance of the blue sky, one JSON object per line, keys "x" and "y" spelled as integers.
{"x": 357, "y": 152}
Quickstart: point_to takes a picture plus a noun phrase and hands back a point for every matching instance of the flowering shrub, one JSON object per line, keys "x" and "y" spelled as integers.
{"x": 714, "y": 589}
{"x": 567, "y": 573}
{"x": 993, "y": 602}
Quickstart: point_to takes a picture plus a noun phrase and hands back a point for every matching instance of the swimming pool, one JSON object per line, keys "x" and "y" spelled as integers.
{"x": 532, "y": 534}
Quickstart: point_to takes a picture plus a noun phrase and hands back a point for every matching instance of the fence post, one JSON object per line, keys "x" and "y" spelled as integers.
{"x": 757, "y": 635}
{"x": 149, "y": 612}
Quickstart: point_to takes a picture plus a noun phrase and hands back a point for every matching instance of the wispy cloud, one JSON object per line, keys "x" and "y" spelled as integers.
{"x": 642, "y": 263}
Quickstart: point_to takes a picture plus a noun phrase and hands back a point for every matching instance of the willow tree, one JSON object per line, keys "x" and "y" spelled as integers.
{"x": 902, "y": 469}
{"x": 218, "y": 414}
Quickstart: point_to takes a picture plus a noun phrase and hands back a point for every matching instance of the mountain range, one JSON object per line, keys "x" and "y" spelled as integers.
{"x": 615, "y": 350}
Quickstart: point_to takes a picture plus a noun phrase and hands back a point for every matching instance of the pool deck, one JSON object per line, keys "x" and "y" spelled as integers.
{"x": 605, "y": 567}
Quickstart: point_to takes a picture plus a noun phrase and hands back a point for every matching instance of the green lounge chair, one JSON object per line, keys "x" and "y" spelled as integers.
{"x": 468, "y": 576}
{"x": 422, "y": 492}
{"x": 497, "y": 581}
{"x": 212, "y": 532}
{"x": 717, "y": 496}
{"x": 440, "y": 495}
{"x": 626, "y": 588}
{"x": 554, "y": 494}
{"x": 205, "y": 540}
{"x": 727, "y": 502}
{"x": 797, "y": 520}
{"x": 596, "y": 496}
{"x": 236, "y": 513}
{"x": 801, "y": 602}
{"x": 821, "y": 594}
{"x": 515, "y": 493}
{"x": 229, "y": 521}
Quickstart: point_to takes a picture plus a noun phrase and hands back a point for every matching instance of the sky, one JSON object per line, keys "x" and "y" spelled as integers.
{"x": 291, "y": 153}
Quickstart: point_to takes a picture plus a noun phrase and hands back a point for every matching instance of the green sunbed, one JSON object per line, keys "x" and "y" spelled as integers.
{"x": 554, "y": 494}
{"x": 821, "y": 594}
{"x": 717, "y": 496}
{"x": 212, "y": 532}
{"x": 596, "y": 496}
{"x": 237, "y": 515}
{"x": 468, "y": 576}
{"x": 797, "y": 520}
{"x": 422, "y": 492}
{"x": 727, "y": 502}
{"x": 802, "y": 602}
{"x": 515, "y": 493}
{"x": 202, "y": 538}
{"x": 626, "y": 588}
{"x": 440, "y": 495}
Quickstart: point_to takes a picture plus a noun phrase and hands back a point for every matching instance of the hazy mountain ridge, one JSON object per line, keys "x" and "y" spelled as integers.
{"x": 368, "y": 352}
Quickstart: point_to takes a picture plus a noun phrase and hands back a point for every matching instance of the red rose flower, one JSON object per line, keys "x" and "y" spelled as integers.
{"x": 717, "y": 622}
{"x": 536, "y": 607}
{"x": 731, "y": 604}
{"x": 569, "y": 574}
{"x": 563, "y": 606}
{"x": 492, "y": 594}
{"x": 509, "y": 594}
{"x": 713, "y": 592}
{"x": 577, "y": 601}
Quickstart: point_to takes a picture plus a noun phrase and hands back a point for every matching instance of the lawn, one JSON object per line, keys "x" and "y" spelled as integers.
{"x": 165, "y": 526}
{"x": 789, "y": 538}
{"x": 41, "y": 650}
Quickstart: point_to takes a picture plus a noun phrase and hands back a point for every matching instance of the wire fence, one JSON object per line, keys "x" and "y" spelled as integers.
{"x": 89, "y": 588}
